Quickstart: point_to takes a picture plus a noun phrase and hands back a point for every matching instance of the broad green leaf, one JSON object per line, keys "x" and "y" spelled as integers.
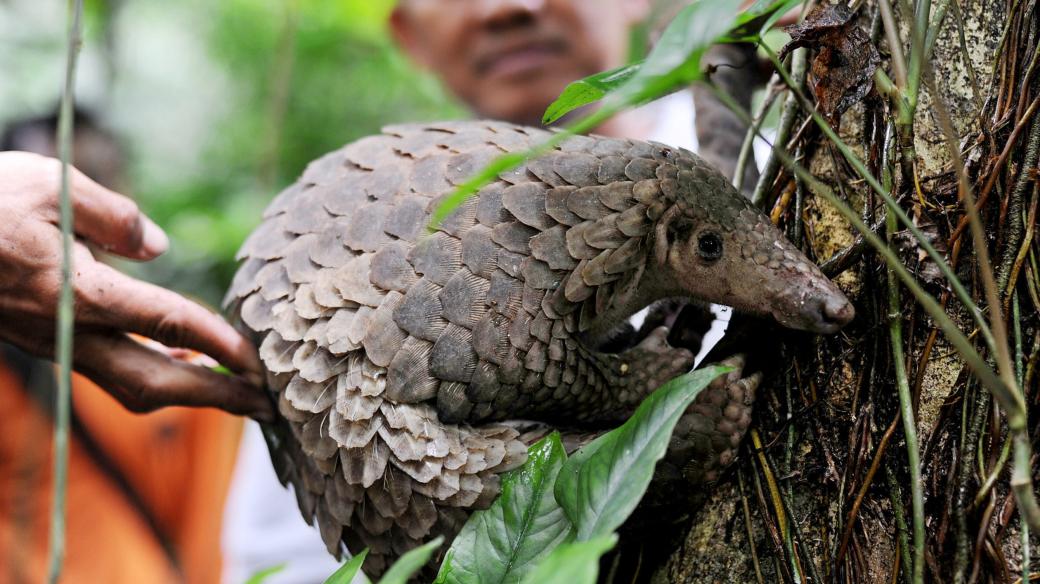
{"x": 409, "y": 564}
{"x": 588, "y": 90}
{"x": 675, "y": 59}
{"x": 601, "y": 484}
{"x": 262, "y": 576}
{"x": 346, "y": 573}
{"x": 572, "y": 563}
{"x": 673, "y": 62}
{"x": 506, "y": 541}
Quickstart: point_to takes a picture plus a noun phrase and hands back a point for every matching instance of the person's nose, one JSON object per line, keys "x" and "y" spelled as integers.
{"x": 506, "y": 13}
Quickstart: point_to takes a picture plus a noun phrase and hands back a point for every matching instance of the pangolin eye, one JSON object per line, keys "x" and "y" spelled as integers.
{"x": 709, "y": 246}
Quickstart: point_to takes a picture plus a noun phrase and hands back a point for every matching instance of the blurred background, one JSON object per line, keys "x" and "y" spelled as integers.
{"x": 217, "y": 105}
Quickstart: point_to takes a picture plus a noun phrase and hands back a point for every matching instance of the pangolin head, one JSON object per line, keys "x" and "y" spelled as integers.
{"x": 720, "y": 248}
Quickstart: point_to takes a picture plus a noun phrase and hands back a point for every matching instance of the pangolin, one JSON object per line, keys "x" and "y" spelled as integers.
{"x": 405, "y": 362}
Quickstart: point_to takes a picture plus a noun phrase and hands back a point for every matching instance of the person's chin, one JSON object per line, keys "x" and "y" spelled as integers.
{"x": 523, "y": 99}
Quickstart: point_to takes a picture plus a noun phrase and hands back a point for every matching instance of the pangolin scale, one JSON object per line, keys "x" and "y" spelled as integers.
{"x": 411, "y": 368}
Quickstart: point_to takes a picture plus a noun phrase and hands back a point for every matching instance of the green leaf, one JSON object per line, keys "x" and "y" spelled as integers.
{"x": 263, "y": 575}
{"x": 506, "y": 541}
{"x": 588, "y": 90}
{"x": 601, "y": 484}
{"x": 752, "y": 23}
{"x": 409, "y": 564}
{"x": 572, "y": 563}
{"x": 673, "y": 62}
{"x": 346, "y": 573}
{"x": 675, "y": 59}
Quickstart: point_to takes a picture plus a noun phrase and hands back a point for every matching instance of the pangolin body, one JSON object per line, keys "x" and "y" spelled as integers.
{"x": 402, "y": 359}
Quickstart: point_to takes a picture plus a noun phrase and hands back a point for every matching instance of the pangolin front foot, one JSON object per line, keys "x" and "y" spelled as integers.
{"x": 707, "y": 436}
{"x": 652, "y": 363}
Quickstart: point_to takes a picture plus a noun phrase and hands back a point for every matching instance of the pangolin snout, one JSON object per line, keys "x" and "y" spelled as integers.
{"x": 817, "y": 307}
{"x": 834, "y": 313}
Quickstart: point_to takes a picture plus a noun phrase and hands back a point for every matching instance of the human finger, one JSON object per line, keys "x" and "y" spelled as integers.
{"x": 114, "y": 222}
{"x": 109, "y": 298}
{"x": 143, "y": 379}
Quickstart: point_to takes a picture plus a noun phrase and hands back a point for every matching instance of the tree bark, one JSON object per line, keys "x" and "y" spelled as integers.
{"x": 821, "y": 483}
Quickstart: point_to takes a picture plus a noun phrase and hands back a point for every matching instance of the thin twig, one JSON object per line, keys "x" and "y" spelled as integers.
{"x": 63, "y": 333}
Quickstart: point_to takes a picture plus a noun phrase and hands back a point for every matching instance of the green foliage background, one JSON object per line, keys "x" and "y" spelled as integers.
{"x": 190, "y": 88}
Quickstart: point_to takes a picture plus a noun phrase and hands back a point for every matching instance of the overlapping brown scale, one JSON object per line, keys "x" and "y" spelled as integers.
{"x": 420, "y": 313}
{"x": 283, "y": 201}
{"x": 409, "y": 447}
{"x": 316, "y": 364}
{"x": 436, "y": 257}
{"x": 314, "y": 438}
{"x": 505, "y": 294}
{"x": 308, "y": 213}
{"x": 604, "y": 234}
{"x": 353, "y": 434}
{"x": 268, "y": 242}
{"x": 289, "y": 324}
{"x": 550, "y": 246}
{"x": 297, "y": 261}
{"x": 526, "y": 202}
{"x": 452, "y": 357}
{"x": 365, "y": 465}
{"x": 405, "y": 219}
{"x": 353, "y": 404}
{"x": 577, "y": 168}
{"x": 384, "y": 182}
{"x": 453, "y": 405}
{"x": 513, "y": 236}
{"x": 459, "y": 220}
{"x": 344, "y": 197}
{"x": 370, "y": 152}
{"x": 317, "y": 332}
{"x": 383, "y": 337}
{"x": 339, "y": 499}
{"x": 556, "y": 205}
{"x": 634, "y": 221}
{"x": 391, "y": 498}
{"x": 354, "y": 283}
{"x": 309, "y": 396}
{"x": 464, "y": 298}
{"x": 577, "y": 247}
{"x": 544, "y": 169}
{"x": 585, "y": 203}
{"x": 428, "y": 175}
{"x": 305, "y": 304}
{"x": 365, "y": 229}
{"x": 408, "y": 374}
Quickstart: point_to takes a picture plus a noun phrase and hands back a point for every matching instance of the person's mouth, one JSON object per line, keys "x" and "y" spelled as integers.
{"x": 520, "y": 59}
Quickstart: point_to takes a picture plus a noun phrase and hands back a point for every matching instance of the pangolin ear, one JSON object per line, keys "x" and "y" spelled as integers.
{"x": 663, "y": 234}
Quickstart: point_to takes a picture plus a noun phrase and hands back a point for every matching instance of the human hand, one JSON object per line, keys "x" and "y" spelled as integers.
{"x": 109, "y": 304}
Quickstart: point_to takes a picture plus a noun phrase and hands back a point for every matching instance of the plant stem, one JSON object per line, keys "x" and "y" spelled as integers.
{"x": 747, "y": 146}
{"x": 906, "y": 408}
{"x": 915, "y": 68}
{"x": 783, "y": 131}
{"x": 56, "y": 552}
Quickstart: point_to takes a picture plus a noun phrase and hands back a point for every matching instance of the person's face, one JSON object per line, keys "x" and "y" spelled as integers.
{"x": 509, "y": 59}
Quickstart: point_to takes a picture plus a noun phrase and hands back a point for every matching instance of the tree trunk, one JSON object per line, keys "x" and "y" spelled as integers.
{"x": 823, "y": 485}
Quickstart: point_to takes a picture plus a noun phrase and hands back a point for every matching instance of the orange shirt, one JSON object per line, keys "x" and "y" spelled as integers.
{"x": 177, "y": 460}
